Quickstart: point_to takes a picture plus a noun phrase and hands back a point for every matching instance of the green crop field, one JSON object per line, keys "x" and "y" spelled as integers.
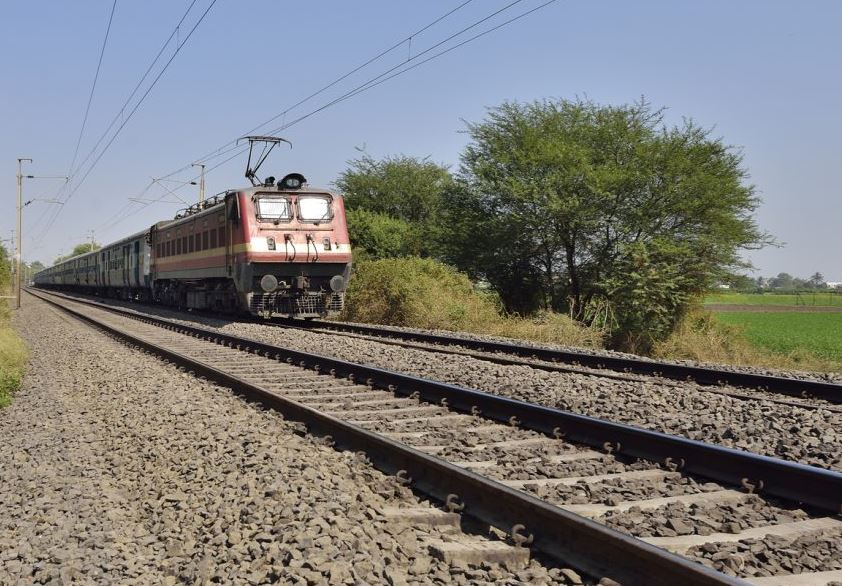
{"x": 819, "y": 334}
{"x": 819, "y": 298}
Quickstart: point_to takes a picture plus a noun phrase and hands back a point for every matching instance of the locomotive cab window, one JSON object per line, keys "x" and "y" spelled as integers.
{"x": 274, "y": 209}
{"x": 314, "y": 208}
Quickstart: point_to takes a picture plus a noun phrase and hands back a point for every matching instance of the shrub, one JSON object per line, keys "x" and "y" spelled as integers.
{"x": 424, "y": 293}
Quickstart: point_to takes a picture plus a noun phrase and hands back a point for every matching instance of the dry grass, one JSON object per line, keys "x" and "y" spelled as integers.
{"x": 701, "y": 337}
{"x": 423, "y": 293}
{"x": 13, "y": 356}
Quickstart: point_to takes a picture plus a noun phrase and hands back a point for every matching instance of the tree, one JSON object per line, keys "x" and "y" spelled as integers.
{"x": 816, "y": 281}
{"x": 375, "y": 235}
{"x": 569, "y": 196}
{"x": 404, "y": 188}
{"x": 782, "y": 281}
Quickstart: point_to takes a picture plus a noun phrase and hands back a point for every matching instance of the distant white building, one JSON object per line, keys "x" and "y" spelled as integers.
{"x": 834, "y": 284}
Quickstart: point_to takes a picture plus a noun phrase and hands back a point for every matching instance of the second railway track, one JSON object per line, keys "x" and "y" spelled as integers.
{"x": 512, "y": 463}
{"x": 803, "y": 393}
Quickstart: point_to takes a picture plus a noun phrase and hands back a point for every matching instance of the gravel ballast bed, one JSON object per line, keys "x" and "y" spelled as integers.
{"x": 118, "y": 468}
{"x": 679, "y": 519}
{"x": 773, "y": 556}
{"x": 808, "y": 436}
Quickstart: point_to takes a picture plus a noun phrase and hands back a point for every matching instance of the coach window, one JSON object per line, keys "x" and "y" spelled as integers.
{"x": 184, "y": 244}
{"x": 205, "y": 240}
{"x": 221, "y": 231}
{"x": 190, "y": 243}
{"x": 213, "y": 238}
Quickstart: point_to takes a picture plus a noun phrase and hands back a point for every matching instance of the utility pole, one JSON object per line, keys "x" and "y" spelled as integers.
{"x": 201, "y": 182}
{"x": 91, "y": 233}
{"x": 18, "y": 251}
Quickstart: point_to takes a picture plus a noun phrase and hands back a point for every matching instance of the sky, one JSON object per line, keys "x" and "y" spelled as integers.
{"x": 764, "y": 75}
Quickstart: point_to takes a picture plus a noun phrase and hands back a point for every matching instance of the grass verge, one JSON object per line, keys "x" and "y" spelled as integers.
{"x": 422, "y": 293}
{"x": 13, "y": 355}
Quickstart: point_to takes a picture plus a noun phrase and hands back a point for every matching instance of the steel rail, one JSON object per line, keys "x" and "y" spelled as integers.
{"x": 570, "y": 538}
{"x": 699, "y": 374}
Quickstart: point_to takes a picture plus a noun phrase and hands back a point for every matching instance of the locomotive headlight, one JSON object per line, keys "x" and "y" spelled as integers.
{"x": 269, "y": 283}
{"x": 337, "y": 283}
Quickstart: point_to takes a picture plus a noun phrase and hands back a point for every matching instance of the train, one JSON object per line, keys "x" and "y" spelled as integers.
{"x": 273, "y": 249}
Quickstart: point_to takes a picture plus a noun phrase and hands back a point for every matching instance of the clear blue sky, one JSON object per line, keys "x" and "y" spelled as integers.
{"x": 767, "y": 75}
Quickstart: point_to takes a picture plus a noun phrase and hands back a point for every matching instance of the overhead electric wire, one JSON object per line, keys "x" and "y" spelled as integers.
{"x": 87, "y": 110}
{"x": 122, "y": 108}
{"x": 377, "y": 80}
{"x": 439, "y": 54}
{"x": 387, "y": 75}
{"x": 215, "y": 153}
{"x": 93, "y": 87}
{"x": 132, "y": 112}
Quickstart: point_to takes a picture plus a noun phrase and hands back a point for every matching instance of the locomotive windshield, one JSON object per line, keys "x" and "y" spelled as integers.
{"x": 273, "y": 208}
{"x": 313, "y": 208}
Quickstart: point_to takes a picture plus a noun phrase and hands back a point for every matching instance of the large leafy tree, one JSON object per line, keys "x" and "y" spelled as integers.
{"x": 405, "y": 194}
{"x": 601, "y": 211}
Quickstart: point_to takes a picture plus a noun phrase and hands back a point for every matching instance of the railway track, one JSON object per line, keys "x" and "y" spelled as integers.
{"x": 790, "y": 392}
{"x": 743, "y": 385}
{"x": 612, "y": 500}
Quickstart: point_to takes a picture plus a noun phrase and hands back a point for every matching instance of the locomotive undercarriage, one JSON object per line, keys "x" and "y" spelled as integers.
{"x": 207, "y": 294}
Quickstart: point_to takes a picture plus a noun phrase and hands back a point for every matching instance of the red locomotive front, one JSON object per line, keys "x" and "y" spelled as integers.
{"x": 272, "y": 249}
{"x": 291, "y": 249}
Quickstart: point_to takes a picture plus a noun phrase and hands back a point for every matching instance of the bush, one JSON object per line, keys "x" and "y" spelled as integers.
{"x": 424, "y": 293}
